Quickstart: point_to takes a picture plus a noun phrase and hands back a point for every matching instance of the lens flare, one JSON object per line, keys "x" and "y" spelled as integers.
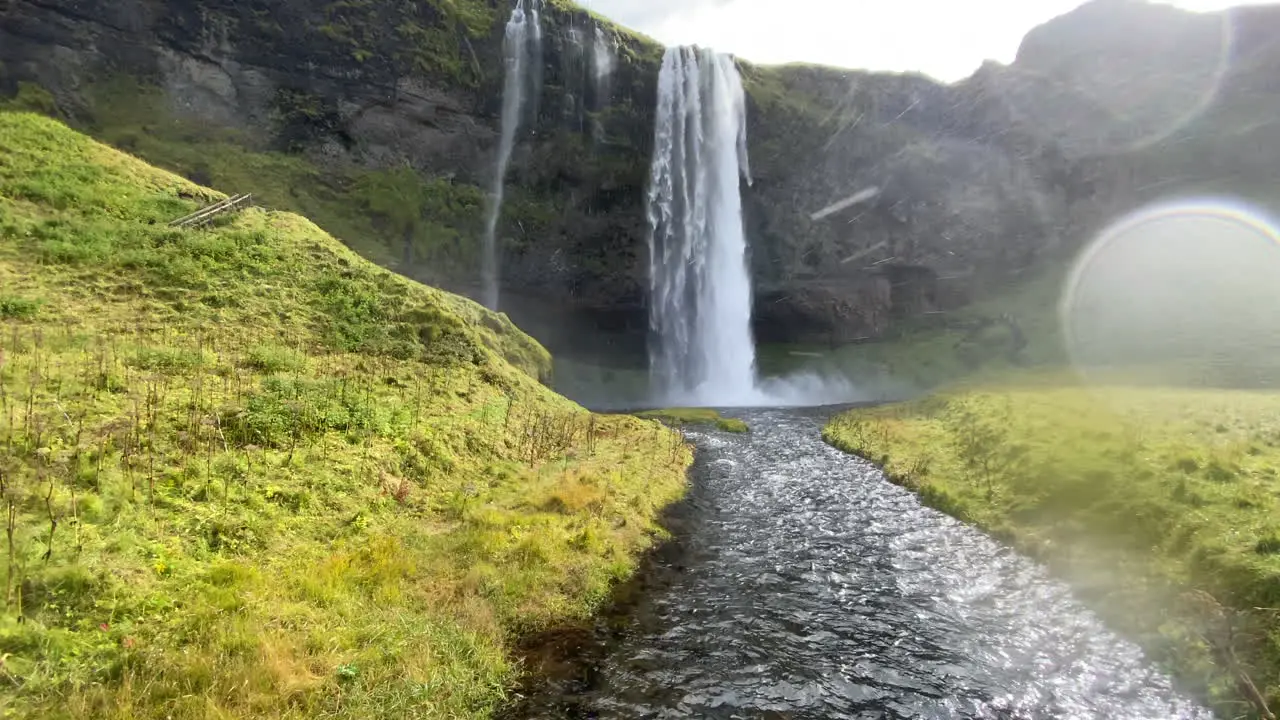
{"x": 1183, "y": 292}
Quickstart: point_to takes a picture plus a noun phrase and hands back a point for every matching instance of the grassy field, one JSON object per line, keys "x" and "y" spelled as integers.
{"x": 1161, "y": 504}
{"x": 246, "y": 473}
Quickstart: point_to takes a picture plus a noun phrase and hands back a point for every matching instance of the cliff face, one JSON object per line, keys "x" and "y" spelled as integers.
{"x": 1112, "y": 106}
{"x": 877, "y": 196}
{"x": 379, "y": 84}
{"x": 883, "y": 196}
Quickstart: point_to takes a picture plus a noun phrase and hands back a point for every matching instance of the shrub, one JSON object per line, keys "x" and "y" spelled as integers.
{"x": 1269, "y": 545}
{"x": 1220, "y": 472}
{"x": 167, "y": 360}
{"x": 16, "y": 308}
{"x": 274, "y": 359}
{"x": 286, "y": 411}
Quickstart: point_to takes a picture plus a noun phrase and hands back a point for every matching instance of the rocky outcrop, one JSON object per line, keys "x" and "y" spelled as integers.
{"x": 877, "y": 197}
{"x": 880, "y": 197}
{"x": 1114, "y": 105}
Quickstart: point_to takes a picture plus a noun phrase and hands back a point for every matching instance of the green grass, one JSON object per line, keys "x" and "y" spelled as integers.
{"x": 1161, "y": 504}
{"x": 679, "y": 417}
{"x": 246, "y": 473}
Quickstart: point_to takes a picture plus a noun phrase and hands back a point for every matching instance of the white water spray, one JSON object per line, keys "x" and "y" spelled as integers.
{"x": 522, "y": 53}
{"x": 701, "y": 350}
{"x": 602, "y": 55}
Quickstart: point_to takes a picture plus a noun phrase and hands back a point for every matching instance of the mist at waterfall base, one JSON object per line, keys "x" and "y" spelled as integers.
{"x": 701, "y": 349}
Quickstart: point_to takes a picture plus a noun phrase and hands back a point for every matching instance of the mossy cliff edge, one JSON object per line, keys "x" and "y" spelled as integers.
{"x": 246, "y": 473}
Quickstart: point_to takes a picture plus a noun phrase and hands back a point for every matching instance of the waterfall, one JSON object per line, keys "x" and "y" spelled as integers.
{"x": 602, "y": 55}
{"x": 701, "y": 349}
{"x": 522, "y": 54}
{"x": 574, "y": 73}
{"x": 602, "y": 62}
{"x": 536, "y": 66}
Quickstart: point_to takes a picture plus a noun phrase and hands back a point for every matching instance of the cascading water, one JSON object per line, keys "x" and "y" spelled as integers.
{"x": 535, "y": 58}
{"x": 601, "y": 56}
{"x": 602, "y": 62}
{"x": 701, "y": 349}
{"x": 522, "y": 52}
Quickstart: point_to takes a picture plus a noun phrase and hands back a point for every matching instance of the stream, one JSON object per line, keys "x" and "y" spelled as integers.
{"x": 803, "y": 584}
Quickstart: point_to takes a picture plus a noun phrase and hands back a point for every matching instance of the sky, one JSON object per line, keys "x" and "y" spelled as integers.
{"x": 947, "y": 39}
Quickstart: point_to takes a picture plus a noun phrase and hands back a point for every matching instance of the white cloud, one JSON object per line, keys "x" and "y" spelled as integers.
{"x": 943, "y": 38}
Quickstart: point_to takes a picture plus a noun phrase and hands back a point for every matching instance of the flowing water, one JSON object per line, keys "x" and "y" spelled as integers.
{"x": 535, "y": 62}
{"x": 522, "y": 53}
{"x": 805, "y": 585}
{"x": 602, "y": 64}
{"x": 700, "y": 290}
{"x": 601, "y": 55}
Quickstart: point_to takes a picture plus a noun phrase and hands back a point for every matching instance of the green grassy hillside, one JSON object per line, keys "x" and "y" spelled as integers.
{"x": 246, "y": 473}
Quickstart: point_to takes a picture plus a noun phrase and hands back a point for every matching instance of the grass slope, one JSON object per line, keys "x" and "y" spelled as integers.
{"x": 246, "y": 473}
{"x": 1161, "y": 504}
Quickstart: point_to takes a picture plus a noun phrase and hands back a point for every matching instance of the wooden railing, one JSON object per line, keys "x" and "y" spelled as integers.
{"x": 205, "y": 215}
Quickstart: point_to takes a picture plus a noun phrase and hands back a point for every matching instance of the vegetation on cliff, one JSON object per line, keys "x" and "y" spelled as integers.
{"x": 395, "y": 216}
{"x": 246, "y": 473}
{"x": 1160, "y": 504}
{"x": 406, "y": 198}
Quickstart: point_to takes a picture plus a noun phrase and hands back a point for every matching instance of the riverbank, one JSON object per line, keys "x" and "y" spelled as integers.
{"x": 1160, "y": 504}
{"x": 249, "y": 474}
{"x": 800, "y": 582}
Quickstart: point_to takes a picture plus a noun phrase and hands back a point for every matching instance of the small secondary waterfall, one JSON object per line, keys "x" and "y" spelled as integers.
{"x": 536, "y": 68}
{"x": 522, "y": 52}
{"x": 602, "y": 56}
{"x": 701, "y": 349}
{"x": 602, "y": 62}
